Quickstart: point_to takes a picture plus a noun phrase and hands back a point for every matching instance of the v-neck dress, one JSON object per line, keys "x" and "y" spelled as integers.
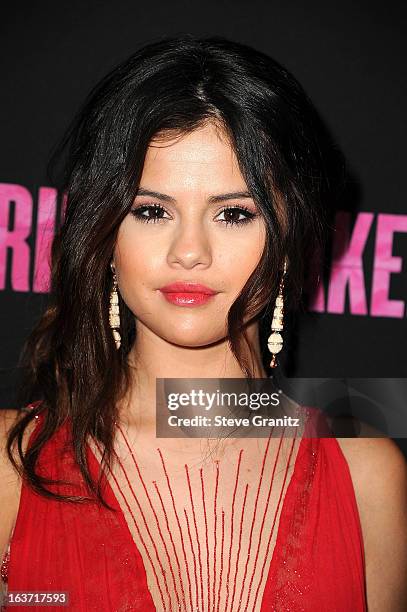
{"x": 88, "y": 552}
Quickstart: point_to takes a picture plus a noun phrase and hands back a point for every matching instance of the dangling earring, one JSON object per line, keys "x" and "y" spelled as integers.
{"x": 114, "y": 314}
{"x": 275, "y": 340}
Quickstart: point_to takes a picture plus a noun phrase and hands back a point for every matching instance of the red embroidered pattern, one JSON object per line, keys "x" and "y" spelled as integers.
{"x": 183, "y": 563}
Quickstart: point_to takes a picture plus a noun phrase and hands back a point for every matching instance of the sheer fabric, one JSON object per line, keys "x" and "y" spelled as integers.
{"x": 275, "y": 528}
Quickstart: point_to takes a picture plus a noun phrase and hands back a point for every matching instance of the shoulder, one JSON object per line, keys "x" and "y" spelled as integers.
{"x": 9, "y": 478}
{"x": 379, "y": 474}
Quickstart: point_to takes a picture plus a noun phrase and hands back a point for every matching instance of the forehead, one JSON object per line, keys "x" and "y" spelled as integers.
{"x": 202, "y": 155}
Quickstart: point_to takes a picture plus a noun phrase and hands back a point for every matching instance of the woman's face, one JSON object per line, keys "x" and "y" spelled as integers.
{"x": 180, "y": 234}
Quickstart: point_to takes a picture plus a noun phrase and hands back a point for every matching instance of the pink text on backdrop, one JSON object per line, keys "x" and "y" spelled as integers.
{"x": 347, "y": 266}
{"x": 347, "y": 269}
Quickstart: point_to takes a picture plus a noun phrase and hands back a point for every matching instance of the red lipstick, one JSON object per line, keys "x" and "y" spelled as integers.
{"x": 187, "y": 294}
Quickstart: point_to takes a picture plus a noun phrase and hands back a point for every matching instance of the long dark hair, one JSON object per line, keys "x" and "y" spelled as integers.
{"x": 171, "y": 86}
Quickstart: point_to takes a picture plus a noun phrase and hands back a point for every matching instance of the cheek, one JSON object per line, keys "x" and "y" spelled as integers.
{"x": 139, "y": 261}
{"x": 241, "y": 256}
{"x": 135, "y": 252}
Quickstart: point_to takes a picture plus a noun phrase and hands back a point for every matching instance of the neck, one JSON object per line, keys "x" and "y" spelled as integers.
{"x": 152, "y": 357}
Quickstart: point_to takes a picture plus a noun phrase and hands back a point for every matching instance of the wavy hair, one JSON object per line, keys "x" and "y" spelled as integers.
{"x": 170, "y": 86}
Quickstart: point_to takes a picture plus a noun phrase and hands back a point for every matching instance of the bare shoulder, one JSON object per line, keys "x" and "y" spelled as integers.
{"x": 10, "y": 482}
{"x": 379, "y": 473}
{"x": 8, "y": 418}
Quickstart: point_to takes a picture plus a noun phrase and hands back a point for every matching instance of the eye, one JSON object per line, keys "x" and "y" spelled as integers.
{"x": 155, "y": 209}
{"x": 231, "y": 212}
{"x": 152, "y": 213}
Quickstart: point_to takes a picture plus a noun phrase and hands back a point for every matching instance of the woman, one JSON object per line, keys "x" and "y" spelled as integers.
{"x": 196, "y": 196}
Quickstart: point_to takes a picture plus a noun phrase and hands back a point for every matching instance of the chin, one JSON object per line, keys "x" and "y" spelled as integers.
{"x": 193, "y": 339}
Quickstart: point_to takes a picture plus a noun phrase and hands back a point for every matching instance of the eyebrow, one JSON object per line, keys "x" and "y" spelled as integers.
{"x": 223, "y": 197}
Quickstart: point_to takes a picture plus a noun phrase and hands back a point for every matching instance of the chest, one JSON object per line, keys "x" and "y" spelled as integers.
{"x": 205, "y": 523}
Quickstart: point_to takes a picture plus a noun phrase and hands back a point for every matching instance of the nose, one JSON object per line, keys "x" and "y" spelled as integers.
{"x": 190, "y": 246}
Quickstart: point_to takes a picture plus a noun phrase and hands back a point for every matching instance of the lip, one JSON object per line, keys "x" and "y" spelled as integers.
{"x": 181, "y": 287}
{"x": 187, "y": 294}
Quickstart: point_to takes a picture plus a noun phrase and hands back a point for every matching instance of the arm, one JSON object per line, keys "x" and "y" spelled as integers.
{"x": 379, "y": 474}
{"x": 9, "y": 483}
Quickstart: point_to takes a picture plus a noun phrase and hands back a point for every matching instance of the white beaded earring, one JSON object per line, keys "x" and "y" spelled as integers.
{"x": 275, "y": 340}
{"x": 114, "y": 314}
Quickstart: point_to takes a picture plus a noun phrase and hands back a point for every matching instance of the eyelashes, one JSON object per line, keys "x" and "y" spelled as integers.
{"x": 229, "y": 211}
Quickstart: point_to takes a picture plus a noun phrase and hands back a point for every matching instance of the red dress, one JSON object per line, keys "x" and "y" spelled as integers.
{"x": 317, "y": 563}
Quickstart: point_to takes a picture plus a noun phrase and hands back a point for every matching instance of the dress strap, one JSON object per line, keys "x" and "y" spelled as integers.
{"x": 32, "y": 406}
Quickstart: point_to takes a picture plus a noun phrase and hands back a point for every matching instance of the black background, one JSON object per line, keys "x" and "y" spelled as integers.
{"x": 350, "y": 58}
